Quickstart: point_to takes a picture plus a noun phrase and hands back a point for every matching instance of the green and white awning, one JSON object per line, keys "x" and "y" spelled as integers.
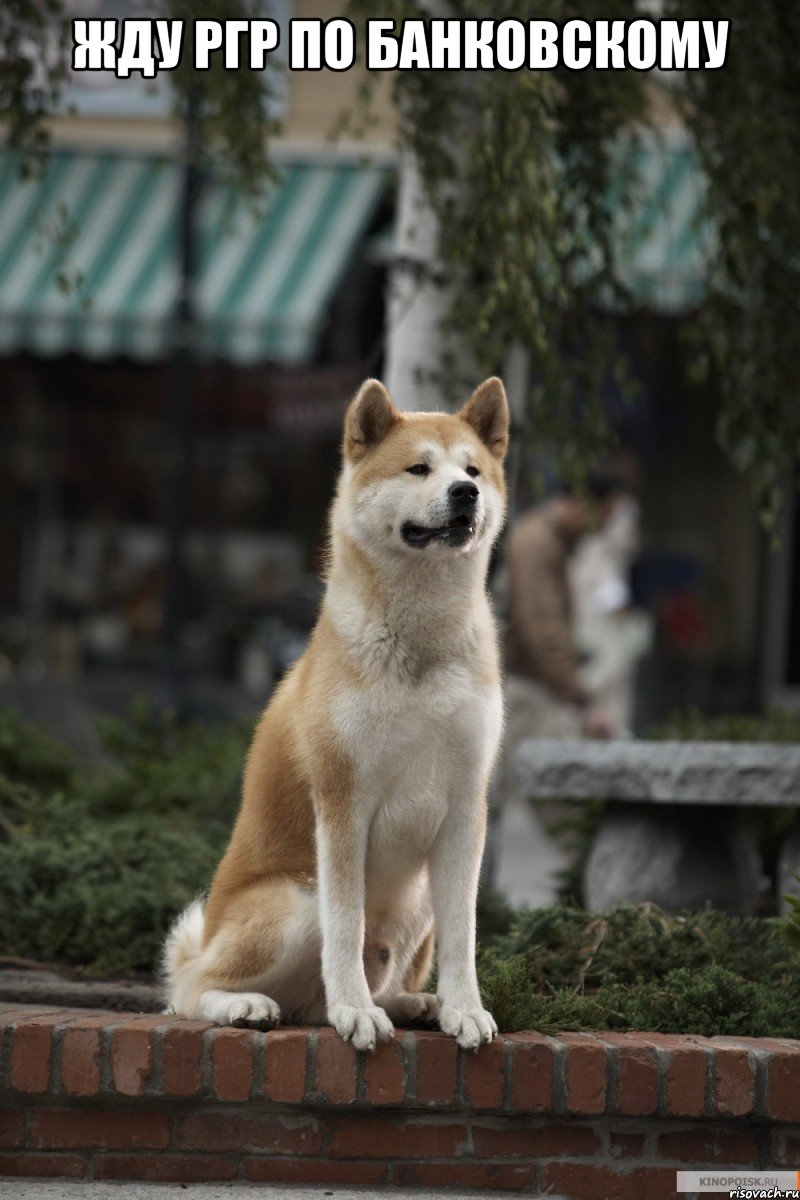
{"x": 88, "y": 257}
{"x": 663, "y": 245}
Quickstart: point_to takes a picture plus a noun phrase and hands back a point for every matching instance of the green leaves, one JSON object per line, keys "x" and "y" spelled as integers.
{"x": 33, "y": 57}
{"x": 638, "y": 968}
{"x": 96, "y": 860}
{"x": 520, "y": 169}
{"x": 791, "y": 925}
{"x": 516, "y": 164}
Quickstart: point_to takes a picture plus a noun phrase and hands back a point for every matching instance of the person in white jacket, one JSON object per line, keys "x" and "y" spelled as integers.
{"x": 610, "y": 634}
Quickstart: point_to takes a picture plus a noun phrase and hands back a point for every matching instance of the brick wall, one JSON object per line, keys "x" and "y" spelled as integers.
{"x": 104, "y": 1095}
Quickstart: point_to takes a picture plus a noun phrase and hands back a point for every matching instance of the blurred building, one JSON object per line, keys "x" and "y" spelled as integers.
{"x": 290, "y": 316}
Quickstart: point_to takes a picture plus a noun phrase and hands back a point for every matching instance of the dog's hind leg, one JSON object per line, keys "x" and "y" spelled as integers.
{"x": 412, "y": 1004}
{"x": 419, "y": 968}
{"x": 250, "y": 1009}
{"x": 262, "y": 958}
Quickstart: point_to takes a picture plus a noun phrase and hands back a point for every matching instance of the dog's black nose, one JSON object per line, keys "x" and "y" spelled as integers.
{"x": 462, "y": 494}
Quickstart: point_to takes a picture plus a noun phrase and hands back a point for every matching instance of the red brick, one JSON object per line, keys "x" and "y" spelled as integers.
{"x": 506, "y": 1176}
{"x": 785, "y": 1148}
{"x": 80, "y": 1061}
{"x": 437, "y": 1065}
{"x": 687, "y": 1071}
{"x": 637, "y": 1074}
{"x": 132, "y": 1058}
{"x": 166, "y": 1168}
{"x": 484, "y": 1075}
{"x": 182, "y": 1050}
{"x": 734, "y": 1083}
{"x": 626, "y": 1145}
{"x": 232, "y": 1063}
{"x": 267, "y": 1132}
{"x": 534, "y": 1141}
{"x": 584, "y": 1182}
{"x": 41, "y": 1166}
{"x": 580, "y": 1181}
{"x": 77, "y": 1129}
{"x": 385, "y": 1073}
{"x": 337, "y": 1068}
{"x": 313, "y": 1170}
{"x": 371, "y": 1137}
{"x": 31, "y": 1054}
{"x": 286, "y": 1065}
{"x": 658, "y": 1183}
{"x": 784, "y": 1085}
{"x": 585, "y": 1074}
{"x": 12, "y": 1128}
{"x": 687, "y": 1059}
{"x": 531, "y": 1073}
{"x": 709, "y": 1146}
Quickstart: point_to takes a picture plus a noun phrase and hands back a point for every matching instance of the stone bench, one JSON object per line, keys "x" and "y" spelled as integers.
{"x": 672, "y": 832}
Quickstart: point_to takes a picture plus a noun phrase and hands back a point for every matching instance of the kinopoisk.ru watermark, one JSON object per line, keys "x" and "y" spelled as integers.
{"x": 768, "y": 1185}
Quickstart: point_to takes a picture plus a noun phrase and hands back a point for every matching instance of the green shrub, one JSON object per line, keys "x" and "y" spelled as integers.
{"x": 567, "y": 947}
{"x": 30, "y": 756}
{"x": 692, "y": 725}
{"x": 95, "y": 863}
{"x": 100, "y": 895}
{"x": 637, "y": 968}
{"x": 160, "y": 765}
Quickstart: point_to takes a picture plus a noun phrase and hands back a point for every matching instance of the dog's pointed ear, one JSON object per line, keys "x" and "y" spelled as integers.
{"x": 369, "y": 418}
{"x": 487, "y": 412}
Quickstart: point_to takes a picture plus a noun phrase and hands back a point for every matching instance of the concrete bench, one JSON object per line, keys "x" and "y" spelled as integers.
{"x": 672, "y": 832}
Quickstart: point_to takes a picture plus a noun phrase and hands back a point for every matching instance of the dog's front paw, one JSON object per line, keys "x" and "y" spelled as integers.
{"x": 361, "y": 1026}
{"x": 468, "y": 1025}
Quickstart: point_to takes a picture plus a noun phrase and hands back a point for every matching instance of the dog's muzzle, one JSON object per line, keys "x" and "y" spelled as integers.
{"x": 461, "y": 525}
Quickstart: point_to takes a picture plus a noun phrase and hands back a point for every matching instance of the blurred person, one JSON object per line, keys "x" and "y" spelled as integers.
{"x": 547, "y": 695}
{"x": 611, "y": 634}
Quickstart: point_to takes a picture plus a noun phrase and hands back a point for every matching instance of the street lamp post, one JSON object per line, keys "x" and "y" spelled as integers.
{"x": 182, "y": 381}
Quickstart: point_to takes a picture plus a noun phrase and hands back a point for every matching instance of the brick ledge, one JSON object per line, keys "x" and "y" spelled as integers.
{"x": 119, "y": 1096}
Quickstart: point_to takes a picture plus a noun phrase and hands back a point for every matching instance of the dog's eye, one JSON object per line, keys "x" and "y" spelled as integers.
{"x": 472, "y": 471}
{"x": 419, "y": 469}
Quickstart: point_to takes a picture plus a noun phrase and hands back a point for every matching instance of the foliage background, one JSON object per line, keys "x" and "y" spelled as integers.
{"x": 520, "y": 168}
{"x": 97, "y": 858}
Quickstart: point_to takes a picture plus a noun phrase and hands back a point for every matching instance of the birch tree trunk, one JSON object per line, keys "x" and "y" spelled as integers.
{"x": 418, "y": 299}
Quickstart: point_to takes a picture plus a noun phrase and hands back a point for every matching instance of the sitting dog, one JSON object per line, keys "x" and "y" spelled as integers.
{"x": 363, "y": 814}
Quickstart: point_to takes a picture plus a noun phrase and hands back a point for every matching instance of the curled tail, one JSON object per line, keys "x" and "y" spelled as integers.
{"x": 181, "y": 955}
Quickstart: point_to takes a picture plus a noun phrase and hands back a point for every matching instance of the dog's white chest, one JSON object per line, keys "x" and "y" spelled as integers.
{"x": 415, "y": 750}
{"x": 392, "y": 731}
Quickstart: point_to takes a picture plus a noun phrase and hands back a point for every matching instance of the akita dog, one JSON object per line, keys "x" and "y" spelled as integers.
{"x": 364, "y": 799}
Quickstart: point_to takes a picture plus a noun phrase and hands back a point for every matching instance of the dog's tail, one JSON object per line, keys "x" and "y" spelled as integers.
{"x": 180, "y": 959}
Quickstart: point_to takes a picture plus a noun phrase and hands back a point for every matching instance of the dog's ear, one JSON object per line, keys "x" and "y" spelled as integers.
{"x": 487, "y": 412}
{"x": 369, "y": 418}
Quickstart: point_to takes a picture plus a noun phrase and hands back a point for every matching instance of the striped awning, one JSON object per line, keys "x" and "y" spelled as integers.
{"x": 89, "y": 257}
{"x": 663, "y": 245}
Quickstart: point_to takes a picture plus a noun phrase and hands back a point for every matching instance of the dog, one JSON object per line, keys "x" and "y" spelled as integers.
{"x": 363, "y": 812}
